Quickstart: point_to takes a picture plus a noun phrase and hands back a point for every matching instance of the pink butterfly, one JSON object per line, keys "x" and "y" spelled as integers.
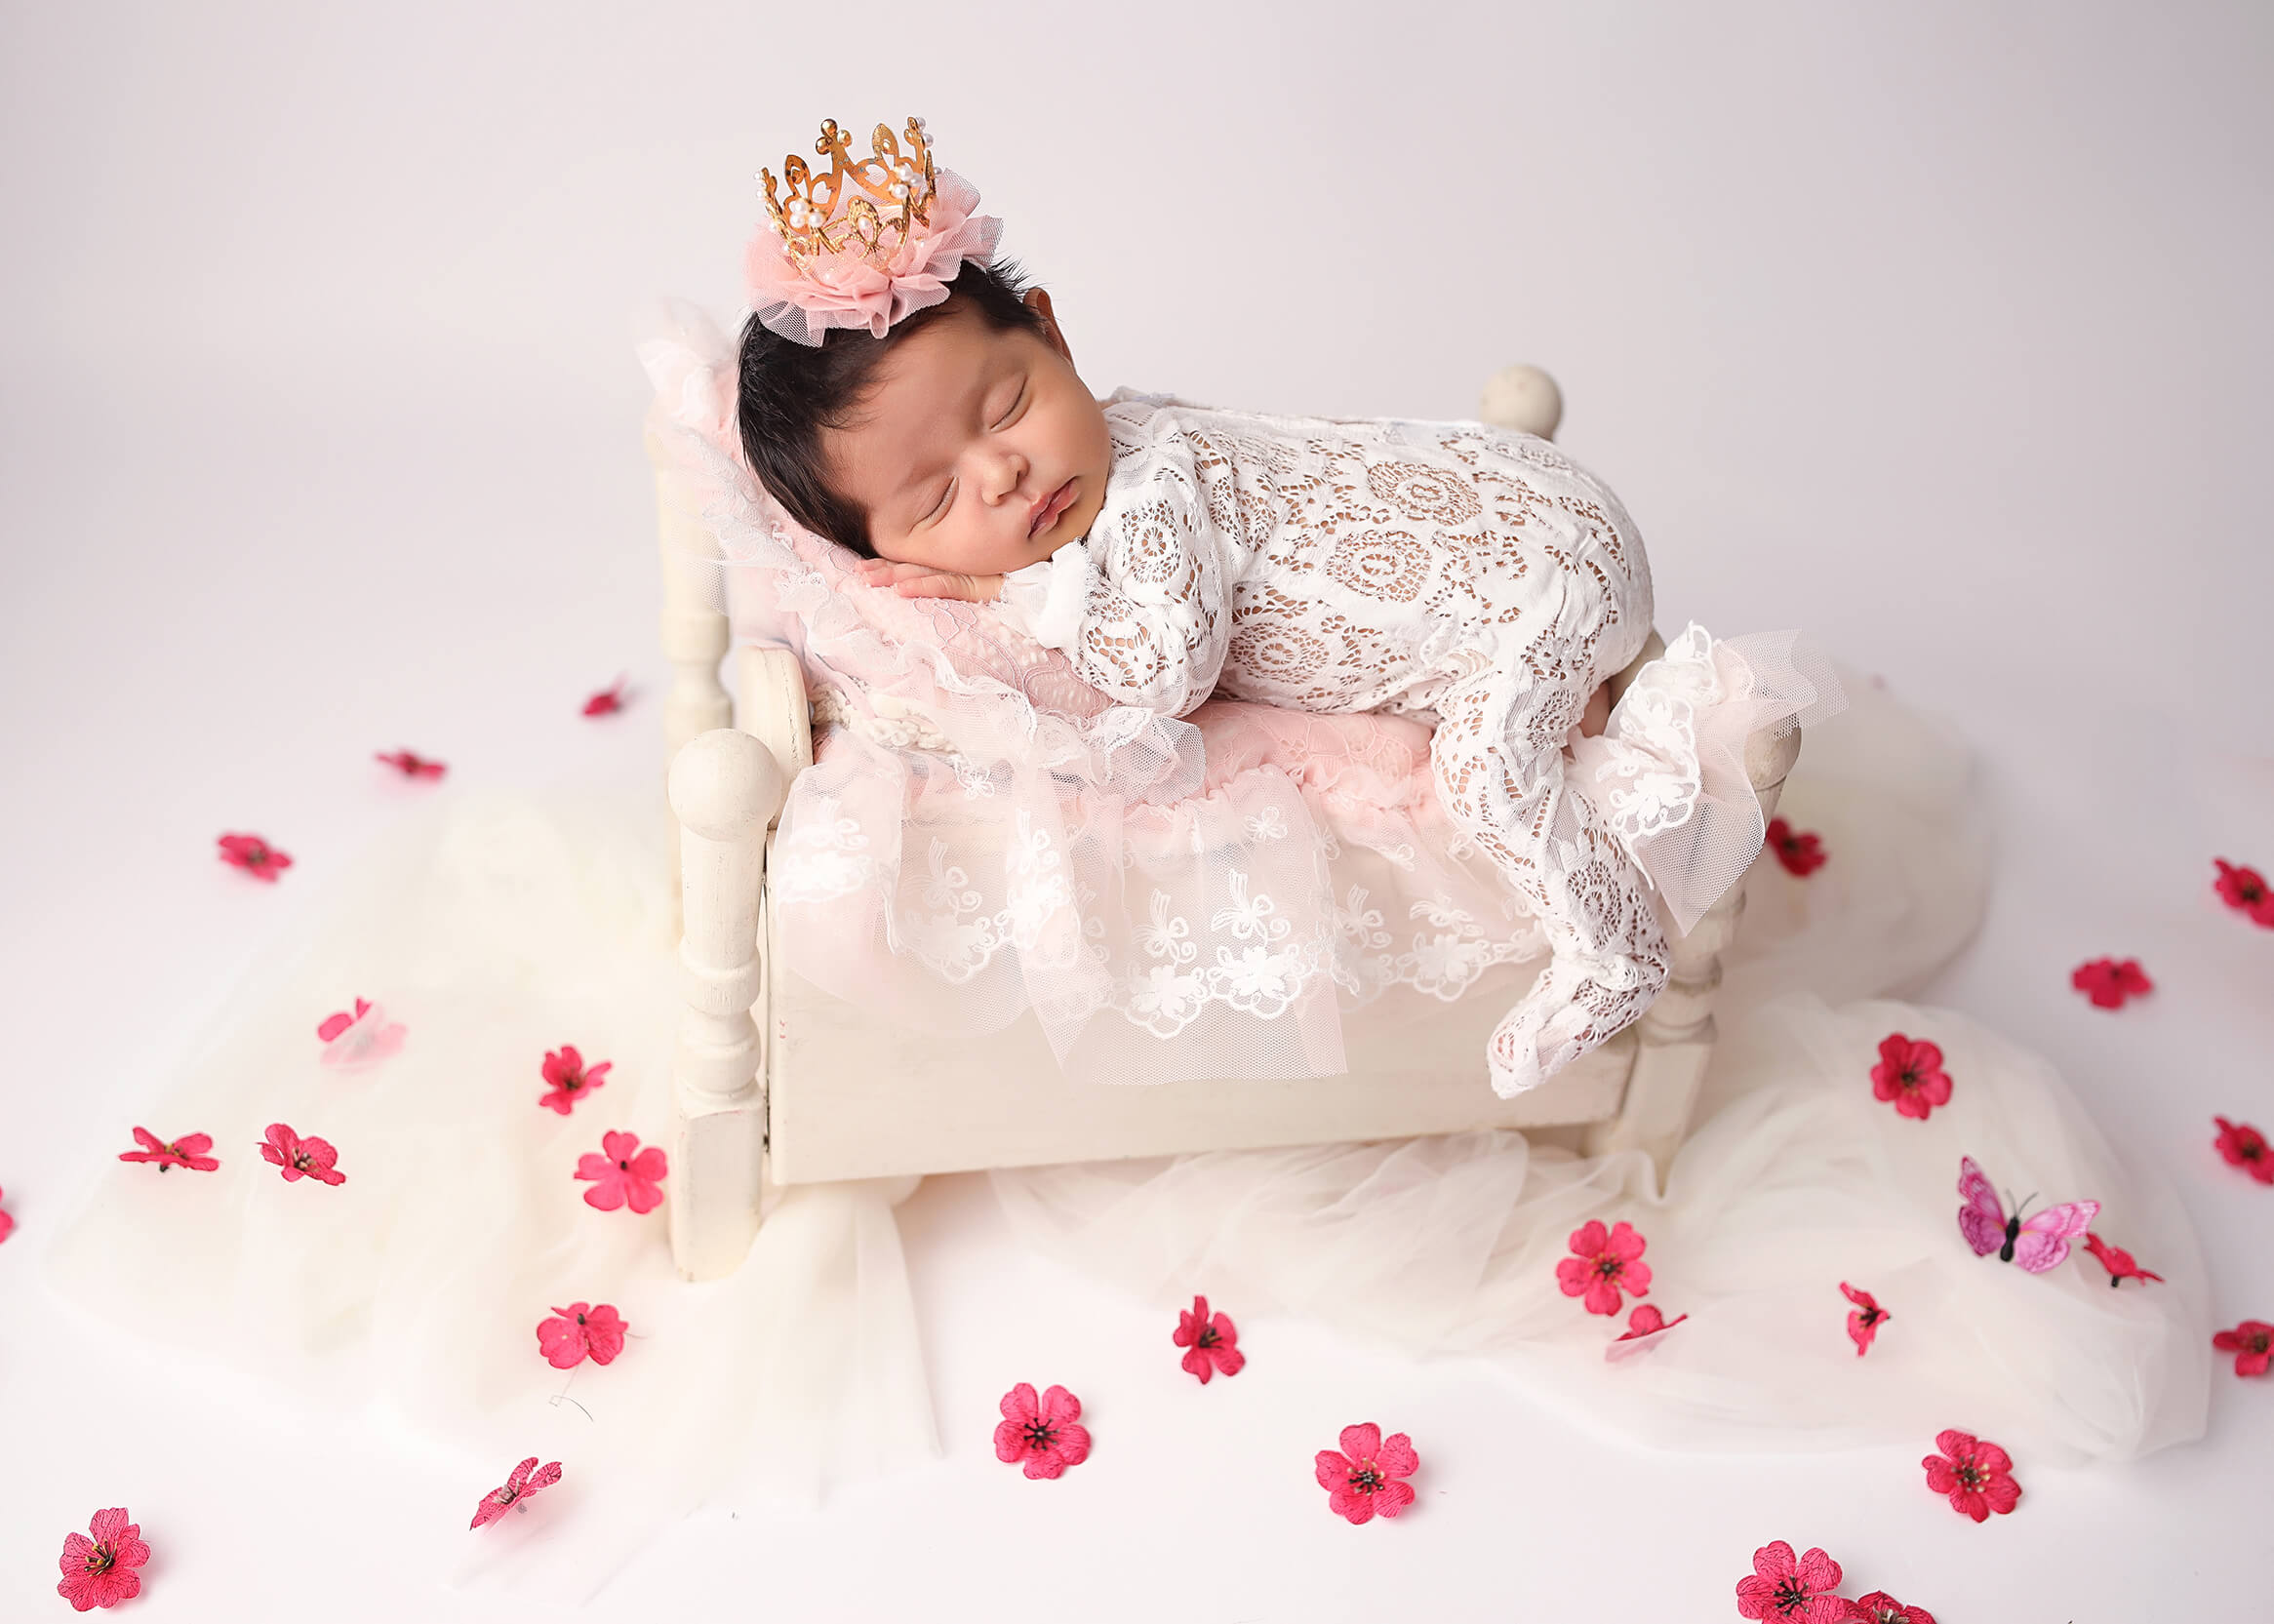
{"x": 2036, "y": 1243}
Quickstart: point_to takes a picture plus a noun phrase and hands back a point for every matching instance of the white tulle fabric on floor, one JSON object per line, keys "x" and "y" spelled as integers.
{"x": 497, "y": 926}
{"x": 1795, "y": 1179}
{"x": 1800, "y": 1182}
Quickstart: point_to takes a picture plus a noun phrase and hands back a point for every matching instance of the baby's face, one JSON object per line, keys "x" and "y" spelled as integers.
{"x": 974, "y": 451}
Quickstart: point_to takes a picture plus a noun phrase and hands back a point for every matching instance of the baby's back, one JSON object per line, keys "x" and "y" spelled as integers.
{"x": 1371, "y": 562}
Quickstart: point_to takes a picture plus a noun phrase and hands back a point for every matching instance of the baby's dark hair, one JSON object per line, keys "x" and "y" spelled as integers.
{"x": 788, "y": 393}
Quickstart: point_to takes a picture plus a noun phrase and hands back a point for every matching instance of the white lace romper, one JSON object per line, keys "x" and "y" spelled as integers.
{"x": 1442, "y": 568}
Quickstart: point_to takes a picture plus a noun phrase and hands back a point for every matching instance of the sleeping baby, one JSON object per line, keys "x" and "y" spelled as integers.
{"x": 903, "y": 394}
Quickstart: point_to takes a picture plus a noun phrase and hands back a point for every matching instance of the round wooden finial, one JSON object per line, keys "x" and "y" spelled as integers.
{"x": 1524, "y": 399}
{"x": 723, "y": 784}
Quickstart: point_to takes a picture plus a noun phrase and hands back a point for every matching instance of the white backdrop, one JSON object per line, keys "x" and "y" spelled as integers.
{"x": 1937, "y": 330}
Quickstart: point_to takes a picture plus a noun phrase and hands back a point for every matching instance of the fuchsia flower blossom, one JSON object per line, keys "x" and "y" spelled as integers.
{"x": 309, "y": 1157}
{"x": 188, "y": 1151}
{"x": 2245, "y": 890}
{"x": 2245, "y": 1147}
{"x": 360, "y": 1036}
{"x": 254, "y": 856}
{"x": 1362, "y": 1478}
{"x": 412, "y": 765}
{"x": 1783, "y": 1586}
{"x": 1865, "y": 1318}
{"x": 1646, "y": 1321}
{"x": 100, "y": 1573}
{"x": 7, "y": 1223}
{"x": 1606, "y": 1263}
{"x": 1912, "y": 1075}
{"x": 1211, "y": 1344}
{"x": 1978, "y": 1475}
{"x": 1644, "y": 1327}
{"x": 609, "y": 700}
{"x": 2119, "y": 1263}
{"x": 2252, "y": 1343}
{"x": 581, "y": 1329}
{"x": 2108, "y": 982}
{"x": 1800, "y": 854}
{"x": 525, "y": 1481}
{"x": 1879, "y": 1607}
{"x": 566, "y": 1075}
{"x": 623, "y": 1174}
{"x": 1041, "y": 1432}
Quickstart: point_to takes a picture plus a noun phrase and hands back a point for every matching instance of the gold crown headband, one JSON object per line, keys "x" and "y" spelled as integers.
{"x": 864, "y": 242}
{"x": 898, "y": 190}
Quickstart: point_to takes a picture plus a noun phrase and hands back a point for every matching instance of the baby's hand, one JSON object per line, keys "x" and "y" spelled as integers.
{"x": 921, "y": 581}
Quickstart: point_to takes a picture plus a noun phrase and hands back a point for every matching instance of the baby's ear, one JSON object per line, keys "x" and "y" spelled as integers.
{"x": 1038, "y": 298}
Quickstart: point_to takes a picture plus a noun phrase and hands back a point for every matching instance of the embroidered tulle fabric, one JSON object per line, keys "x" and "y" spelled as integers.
{"x": 1187, "y": 888}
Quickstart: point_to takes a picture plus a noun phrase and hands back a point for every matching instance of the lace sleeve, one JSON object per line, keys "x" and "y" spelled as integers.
{"x": 1155, "y": 621}
{"x": 1045, "y": 600}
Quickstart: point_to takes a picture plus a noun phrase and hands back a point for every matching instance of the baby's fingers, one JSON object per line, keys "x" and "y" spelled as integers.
{"x": 936, "y": 584}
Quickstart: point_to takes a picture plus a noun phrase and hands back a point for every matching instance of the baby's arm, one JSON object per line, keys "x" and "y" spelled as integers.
{"x": 1141, "y": 605}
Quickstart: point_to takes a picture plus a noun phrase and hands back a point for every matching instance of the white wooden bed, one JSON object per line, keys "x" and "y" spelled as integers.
{"x": 773, "y": 1077}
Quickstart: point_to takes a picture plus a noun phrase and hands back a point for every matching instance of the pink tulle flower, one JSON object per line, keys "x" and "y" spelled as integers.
{"x": 1879, "y": 1607}
{"x": 1783, "y": 1586}
{"x": 361, "y": 1037}
{"x": 7, "y": 1223}
{"x": 2245, "y": 890}
{"x": 2245, "y": 1147}
{"x": 609, "y": 700}
{"x": 1210, "y": 1343}
{"x": 1800, "y": 854}
{"x": 1865, "y": 1318}
{"x": 1912, "y": 1075}
{"x": 1362, "y": 1478}
{"x": 411, "y": 765}
{"x": 566, "y": 1074}
{"x": 1041, "y": 1432}
{"x": 581, "y": 1329}
{"x": 100, "y": 1573}
{"x": 299, "y": 1158}
{"x": 188, "y": 1151}
{"x": 2108, "y": 982}
{"x": 525, "y": 1481}
{"x": 1978, "y": 1475}
{"x": 623, "y": 1174}
{"x": 2252, "y": 1343}
{"x": 846, "y": 288}
{"x": 254, "y": 856}
{"x": 1606, "y": 1263}
{"x": 2119, "y": 1263}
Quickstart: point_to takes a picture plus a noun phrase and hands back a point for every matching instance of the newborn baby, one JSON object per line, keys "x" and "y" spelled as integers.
{"x": 1468, "y": 574}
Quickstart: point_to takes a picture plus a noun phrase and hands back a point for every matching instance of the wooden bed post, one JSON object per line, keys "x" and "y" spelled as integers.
{"x": 695, "y": 629}
{"x": 726, "y": 787}
{"x": 1676, "y": 1033}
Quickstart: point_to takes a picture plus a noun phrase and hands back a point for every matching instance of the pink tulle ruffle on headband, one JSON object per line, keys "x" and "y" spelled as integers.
{"x": 847, "y": 289}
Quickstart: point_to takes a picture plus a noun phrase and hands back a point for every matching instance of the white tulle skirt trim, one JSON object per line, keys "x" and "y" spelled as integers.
{"x": 1668, "y": 772}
